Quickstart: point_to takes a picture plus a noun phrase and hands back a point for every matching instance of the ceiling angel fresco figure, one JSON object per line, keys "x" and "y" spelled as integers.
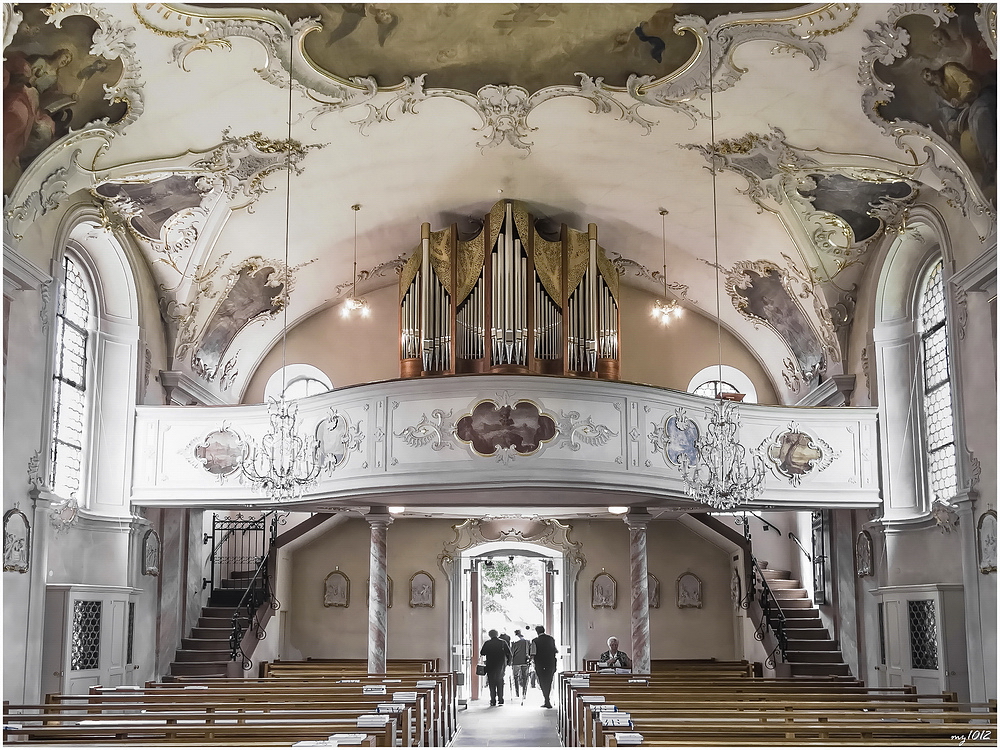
{"x": 355, "y": 13}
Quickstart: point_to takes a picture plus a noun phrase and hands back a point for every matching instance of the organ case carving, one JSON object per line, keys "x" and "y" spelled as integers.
{"x": 509, "y": 299}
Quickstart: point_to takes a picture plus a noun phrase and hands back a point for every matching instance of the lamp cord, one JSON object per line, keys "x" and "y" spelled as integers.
{"x": 288, "y": 209}
{"x": 715, "y": 205}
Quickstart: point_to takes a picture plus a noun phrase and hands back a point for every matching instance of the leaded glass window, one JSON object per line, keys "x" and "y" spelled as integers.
{"x": 939, "y": 428}
{"x": 69, "y": 398}
{"x": 712, "y": 388}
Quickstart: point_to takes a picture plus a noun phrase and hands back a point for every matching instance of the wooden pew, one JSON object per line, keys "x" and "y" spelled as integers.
{"x": 438, "y": 705}
{"x": 186, "y": 725}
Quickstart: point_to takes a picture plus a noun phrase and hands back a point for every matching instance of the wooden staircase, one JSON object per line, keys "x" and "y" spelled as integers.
{"x": 811, "y": 651}
{"x": 206, "y": 653}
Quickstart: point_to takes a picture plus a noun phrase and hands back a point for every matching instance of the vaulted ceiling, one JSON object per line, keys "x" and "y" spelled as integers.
{"x": 181, "y": 123}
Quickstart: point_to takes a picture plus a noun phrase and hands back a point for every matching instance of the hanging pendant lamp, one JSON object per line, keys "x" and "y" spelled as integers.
{"x": 665, "y": 310}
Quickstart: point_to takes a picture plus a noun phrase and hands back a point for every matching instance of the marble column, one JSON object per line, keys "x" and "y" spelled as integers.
{"x": 637, "y": 519}
{"x": 378, "y": 589}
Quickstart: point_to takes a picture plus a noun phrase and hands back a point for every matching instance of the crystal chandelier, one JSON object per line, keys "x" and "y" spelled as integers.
{"x": 354, "y": 303}
{"x": 664, "y": 310}
{"x": 284, "y": 463}
{"x": 723, "y": 475}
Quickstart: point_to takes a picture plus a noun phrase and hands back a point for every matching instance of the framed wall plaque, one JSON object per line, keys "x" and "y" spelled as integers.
{"x": 604, "y": 591}
{"x": 337, "y": 590}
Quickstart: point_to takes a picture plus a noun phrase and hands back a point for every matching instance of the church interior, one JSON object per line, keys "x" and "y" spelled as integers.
{"x": 337, "y": 336}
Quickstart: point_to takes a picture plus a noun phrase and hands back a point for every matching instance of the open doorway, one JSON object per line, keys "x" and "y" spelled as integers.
{"x": 508, "y": 587}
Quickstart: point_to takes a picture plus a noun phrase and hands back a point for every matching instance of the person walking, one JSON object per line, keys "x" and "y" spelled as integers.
{"x": 543, "y": 649}
{"x": 519, "y": 663}
{"x": 497, "y": 654}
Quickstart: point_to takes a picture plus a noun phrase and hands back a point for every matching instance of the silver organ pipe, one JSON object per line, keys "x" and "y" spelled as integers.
{"x": 523, "y": 275}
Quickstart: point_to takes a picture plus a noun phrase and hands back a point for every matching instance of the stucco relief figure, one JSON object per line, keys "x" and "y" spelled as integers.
{"x": 987, "y": 540}
{"x": 421, "y": 590}
{"x": 863, "y": 555}
{"x": 689, "y": 591}
{"x": 336, "y": 590}
{"x": 604, "y": 592}
{"x": 151, "y": 554}
{"x": 16, "y": 541}
{"x": 653, "y": 586}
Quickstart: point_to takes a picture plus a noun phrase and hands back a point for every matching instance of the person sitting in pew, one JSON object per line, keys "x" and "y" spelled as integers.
{"x": 613, "y": 658}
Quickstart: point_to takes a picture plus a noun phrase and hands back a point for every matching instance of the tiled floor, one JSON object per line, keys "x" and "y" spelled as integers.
{"x": 514, "y": 724}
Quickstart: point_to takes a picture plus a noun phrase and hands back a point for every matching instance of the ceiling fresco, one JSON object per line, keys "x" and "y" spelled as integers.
{"x": 832, "y": 123}
{"x": 52, "y": 84}
{"x": 953, "y": 62}
{"x": 532, "y": 45}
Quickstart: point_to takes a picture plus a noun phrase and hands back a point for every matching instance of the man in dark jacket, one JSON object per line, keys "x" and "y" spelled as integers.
{"x": 497, "y": 654}
{"x": 544, "y": 650}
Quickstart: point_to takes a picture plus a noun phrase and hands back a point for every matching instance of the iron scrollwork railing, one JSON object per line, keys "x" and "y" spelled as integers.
{"x": 257, "y": 593}
{"x": 771, "y": 618}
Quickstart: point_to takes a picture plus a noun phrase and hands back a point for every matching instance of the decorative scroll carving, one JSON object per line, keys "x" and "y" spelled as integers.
{"x": 572, "y": 430}
{"x": 436, "y": 431}
{"x": 17, "y": 540}
{"x": 543, "y": 532}
{"x": 336, "y": 439}
{"x": 504, "y": 109}
{"x": 898, "y": 70}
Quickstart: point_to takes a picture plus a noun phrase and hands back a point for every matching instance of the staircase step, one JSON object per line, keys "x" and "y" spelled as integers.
{"x": 799, "y": 633}
{"x": 825, "y": 644}
{"x": 795, "y": 604}
{"x": 185, "y": 655}
{"x": 804, "y": 618}
{"x": 205, "y": 644}
{"x": 783, "y": 583}
{"x": 219, "y": 622}
{"x": 809, "y": 670}
{"x": 775, "y": 573}
{"x": 199, "y": 668}
{"x": 226, "y": 612}
{"x": 790, "y": 593}
{"x": 826, "y": 657}
{"x": 211, "y": 633}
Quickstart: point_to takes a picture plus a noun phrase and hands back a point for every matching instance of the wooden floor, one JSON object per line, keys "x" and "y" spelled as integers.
{"x": 514, "y": 724}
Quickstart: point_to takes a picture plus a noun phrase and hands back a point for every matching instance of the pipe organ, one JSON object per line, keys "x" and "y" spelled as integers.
{"x": 509, "y": 300}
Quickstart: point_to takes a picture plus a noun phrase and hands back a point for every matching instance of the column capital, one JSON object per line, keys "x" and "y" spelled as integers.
{"x": 637, "y": 518}
{"x": 378, "y": 515}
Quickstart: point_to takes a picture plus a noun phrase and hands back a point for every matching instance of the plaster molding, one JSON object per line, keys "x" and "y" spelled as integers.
{"x": 835, "y": 391}
{"x": 20, "y": 274}
{"x": 887, "y": 44}
{"x": 554, "y": 535}
{"x": 180, "y": 389}
{"x": 504, "y": 109}
{"x": 979, "y": 274}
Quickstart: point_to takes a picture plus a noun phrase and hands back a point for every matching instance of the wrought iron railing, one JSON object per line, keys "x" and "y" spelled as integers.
{"x": 247, "y": 615}
{"x": 772, "y": 617}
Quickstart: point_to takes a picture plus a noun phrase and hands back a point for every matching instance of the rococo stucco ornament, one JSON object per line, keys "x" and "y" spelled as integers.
{"x": 547, "y": 532}
{"x": 504, "y": 109}
{"x": 887, "y": 99}
{"x": 793, "y": 453}
{"x": 505, "y": 427}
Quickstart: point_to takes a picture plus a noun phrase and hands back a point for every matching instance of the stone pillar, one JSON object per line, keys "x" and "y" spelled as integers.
{"x": 378, "y": 588}
{"x": 637, "y": 519}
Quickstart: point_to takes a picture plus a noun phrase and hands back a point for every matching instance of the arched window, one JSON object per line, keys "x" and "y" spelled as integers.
{"x": 939, "y": 426}
{"x": 299, "y": 381}
{"x": 716, "y": 379}
{"x": 74, "y": 323}
{"x": 712, "y": 388}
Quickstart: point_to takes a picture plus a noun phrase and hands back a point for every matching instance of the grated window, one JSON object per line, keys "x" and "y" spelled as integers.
{"x": 129, "y": 649}
{"x": 69, "y": 398}
{"x": 923, "y": 634}
{"x": 86, "y": 646}
{"x": 881, "y": 632}
{"x": 939, "y": 427}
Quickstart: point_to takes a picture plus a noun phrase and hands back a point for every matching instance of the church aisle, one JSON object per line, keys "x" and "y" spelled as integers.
{"x": 509, "y": 725}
